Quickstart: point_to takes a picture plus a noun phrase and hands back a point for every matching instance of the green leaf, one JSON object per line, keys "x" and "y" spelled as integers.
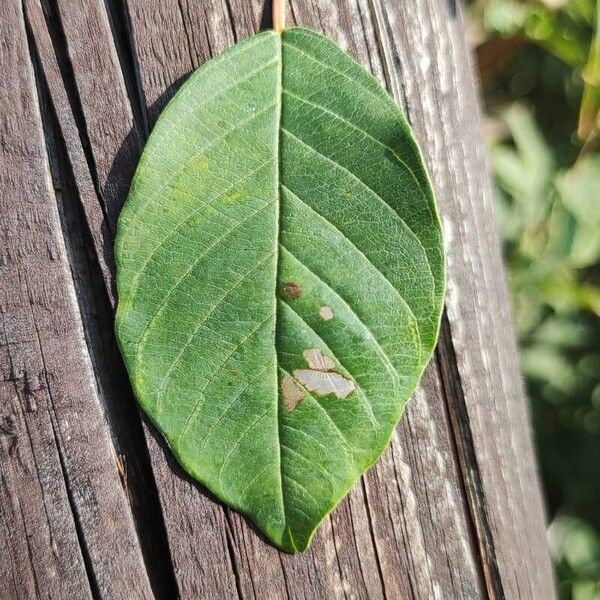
{"x": 280, "y": 277}
{"x": 579, "y": 189}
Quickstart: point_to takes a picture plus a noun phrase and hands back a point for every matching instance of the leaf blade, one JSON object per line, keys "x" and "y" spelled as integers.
{"x": 292, "y": 220}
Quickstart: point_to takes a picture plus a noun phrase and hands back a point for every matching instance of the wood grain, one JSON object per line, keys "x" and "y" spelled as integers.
{"x": 64, "y": 510}
{"x": 452, "y": 510}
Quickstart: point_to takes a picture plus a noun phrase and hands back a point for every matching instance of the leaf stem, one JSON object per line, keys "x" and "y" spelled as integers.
{"x": 278, "y": 15}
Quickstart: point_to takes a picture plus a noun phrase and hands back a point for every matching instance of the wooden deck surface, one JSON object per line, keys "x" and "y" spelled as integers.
{"x": 91, "y": 503}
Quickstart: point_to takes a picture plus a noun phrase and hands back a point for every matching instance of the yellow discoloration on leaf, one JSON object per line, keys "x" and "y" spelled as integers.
{"x": 201, "y": 164}
{"x": 233, "y": 197}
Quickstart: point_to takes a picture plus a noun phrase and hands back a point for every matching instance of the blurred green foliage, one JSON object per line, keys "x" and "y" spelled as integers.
{"x": 540, "y": 67}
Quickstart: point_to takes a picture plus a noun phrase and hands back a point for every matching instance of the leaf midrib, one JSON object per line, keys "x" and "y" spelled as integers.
{"x": 277, "y": 236}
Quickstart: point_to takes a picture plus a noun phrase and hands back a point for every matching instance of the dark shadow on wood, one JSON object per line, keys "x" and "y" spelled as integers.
{"x": 120, "y": 24}
{"x": 130, "y": 151}
{"x": 57, "y": 36}
{"x": 266, "y": 18}
{"x": 452, "y": 8}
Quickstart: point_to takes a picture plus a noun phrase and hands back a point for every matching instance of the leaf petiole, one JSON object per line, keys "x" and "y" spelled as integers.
{"x": 278, "y": 15}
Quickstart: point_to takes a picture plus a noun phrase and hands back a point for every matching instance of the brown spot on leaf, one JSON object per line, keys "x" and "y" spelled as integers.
{"x": 291, "y": 290}
{"x": 292, "y": 393}
{"x": 323, "y": 383}
{"x": 326, "y": 313}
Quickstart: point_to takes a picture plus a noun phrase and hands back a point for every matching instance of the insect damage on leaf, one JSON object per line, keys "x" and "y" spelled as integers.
{"x": 318, "y": 378}
{"x": 323, "y": 382}
{"x": 317, "y": 360}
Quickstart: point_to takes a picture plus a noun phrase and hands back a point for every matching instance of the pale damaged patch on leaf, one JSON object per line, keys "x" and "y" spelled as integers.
{"x": 292, "y": 393}
{"x": 323, "y": 382}
{"x": 319, "y": 378}
{"x": 326, "y": 313}
{"x": 317, "y": 360}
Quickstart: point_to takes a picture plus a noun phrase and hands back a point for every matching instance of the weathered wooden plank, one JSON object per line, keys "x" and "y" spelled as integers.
{"x": 37, "y": 523}
{"x": 103, "y": 150}
{"x": 156, "y": 96}
{"x": 109, "y": 120}
{"x": 259, "y": 566}
{"x": 63, "y": 102}
{"x": 408, "y": 530}
{"x": 427, "y": 54}
{"x": 64, "y": 511}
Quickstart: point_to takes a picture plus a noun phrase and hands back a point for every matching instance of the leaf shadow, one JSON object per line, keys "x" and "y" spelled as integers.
{"x": 126, "y": 158}
{"x": 122, "y": 169}
{"x": 266, "y": 18}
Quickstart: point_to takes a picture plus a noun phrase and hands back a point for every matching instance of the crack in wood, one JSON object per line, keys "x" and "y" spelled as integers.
{"x": 471, "y": 476}
{"x": 58, "y": 39}
{"x": 122, "y": 36}
{"x": 124, "y": 423}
